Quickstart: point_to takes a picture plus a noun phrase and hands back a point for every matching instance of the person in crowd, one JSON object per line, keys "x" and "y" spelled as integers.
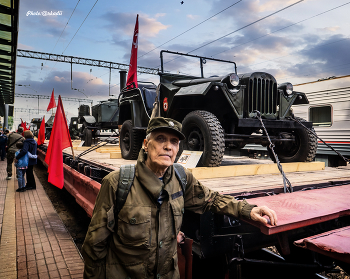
{"x": 3, "y": 143}
{"x": 140, "y": 241}
{"x": 22, "y": 166}
{"x": 12, "y": 139}
{"x": 29, "y": 145}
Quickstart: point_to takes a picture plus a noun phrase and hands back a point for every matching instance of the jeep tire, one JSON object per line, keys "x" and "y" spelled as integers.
{"x": 303, "y": 149}
{"x": 130, "y": 141}
{"x": 87, "y": 137}
{"x": 204, "y": 132}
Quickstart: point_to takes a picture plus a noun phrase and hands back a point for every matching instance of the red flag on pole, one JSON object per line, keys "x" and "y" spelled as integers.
{"x": 132, "y": 74}
{"x": 24, "y": 126}
{"x": 52, "y": 103}
{"x": 59, "y": 140}
{"x": 41, "y": 134}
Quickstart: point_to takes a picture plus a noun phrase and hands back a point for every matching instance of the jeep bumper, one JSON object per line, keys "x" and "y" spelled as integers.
{"x": 271, "y": 124}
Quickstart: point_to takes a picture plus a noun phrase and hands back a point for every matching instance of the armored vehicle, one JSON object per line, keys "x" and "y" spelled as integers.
{"x": 104, "y": 116}
{"x": 219, "y": 112}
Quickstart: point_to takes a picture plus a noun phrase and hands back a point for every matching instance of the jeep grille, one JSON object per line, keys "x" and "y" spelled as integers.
{"x": 262, "y": 95}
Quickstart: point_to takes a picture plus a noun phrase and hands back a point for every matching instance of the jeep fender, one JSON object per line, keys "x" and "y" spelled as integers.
{"x": 89, "y": 119}
{"x": 297, "y": 98}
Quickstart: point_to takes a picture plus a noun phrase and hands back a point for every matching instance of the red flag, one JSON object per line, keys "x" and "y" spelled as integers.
{"x": 52, "y": 103}
{"x": 59, "y": 140}
{"x": 41, "y": 134}
{"x": 24, "y": 126}
{"x": 132, "y": 74}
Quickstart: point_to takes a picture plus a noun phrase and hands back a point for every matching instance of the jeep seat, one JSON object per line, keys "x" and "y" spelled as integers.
{"x": 149, "y": 96}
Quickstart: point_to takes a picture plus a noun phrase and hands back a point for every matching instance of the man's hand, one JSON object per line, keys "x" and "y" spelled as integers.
{"x": 257, "y": 213}
{"x": 181, "y": 238}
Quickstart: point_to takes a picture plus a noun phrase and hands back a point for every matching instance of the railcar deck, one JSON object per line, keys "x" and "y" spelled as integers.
{"x": 242, "y": 184}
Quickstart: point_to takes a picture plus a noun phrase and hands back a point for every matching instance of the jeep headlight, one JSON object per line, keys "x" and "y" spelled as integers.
{"x": 234, "y": 79}
{"x": 287, "y": 87}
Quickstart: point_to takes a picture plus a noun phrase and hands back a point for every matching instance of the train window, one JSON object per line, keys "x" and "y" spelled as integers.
{"x": 321, "y": 116}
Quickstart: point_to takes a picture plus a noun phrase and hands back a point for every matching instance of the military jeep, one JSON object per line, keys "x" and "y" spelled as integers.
{"x": 219, "y": 112}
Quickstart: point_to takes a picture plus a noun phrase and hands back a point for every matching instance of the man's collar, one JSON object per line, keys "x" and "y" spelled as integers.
{"x": 148, "y": 179}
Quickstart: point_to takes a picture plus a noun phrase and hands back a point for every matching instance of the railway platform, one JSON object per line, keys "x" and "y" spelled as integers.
{"x": 34, "y": 242}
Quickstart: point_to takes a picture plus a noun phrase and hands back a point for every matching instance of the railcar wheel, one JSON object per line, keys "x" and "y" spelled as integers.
{"x": 204, "y": 132}
{"x": 303, "y": 149}
{"x": 130, "y": 141}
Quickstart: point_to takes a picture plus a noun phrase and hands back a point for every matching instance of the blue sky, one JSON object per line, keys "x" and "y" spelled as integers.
{"x": 296, "y": 44}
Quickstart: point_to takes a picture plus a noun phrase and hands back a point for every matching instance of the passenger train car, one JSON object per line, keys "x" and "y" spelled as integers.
{"x": 329, "y": 110}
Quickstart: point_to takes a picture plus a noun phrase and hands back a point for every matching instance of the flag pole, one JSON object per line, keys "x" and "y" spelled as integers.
{"x": 71, "y": 145}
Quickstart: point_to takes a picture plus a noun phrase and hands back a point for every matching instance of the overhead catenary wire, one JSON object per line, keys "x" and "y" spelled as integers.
{"x": 73, "y": 36}
{"x": 282, "y": 28}
{"x": 309, "y": 73}
{"x": 239, "y": 29}
{"x": 61, "y": 36}
{"x": 65, "y": 25}
{"x": 80, "y": 26}
{"x": 190, "y": 29}
{"x": 337, "y": 41}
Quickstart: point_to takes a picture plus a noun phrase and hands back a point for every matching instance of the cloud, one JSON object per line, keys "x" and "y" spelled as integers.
{"x": 329, "y": 29}
{"x": 23, "y": 46}
{"x": 124, "y": 24}
{"x": 272, "y": 5}
{"x": 159, "y": 15}
{"x": 192, "y": 16}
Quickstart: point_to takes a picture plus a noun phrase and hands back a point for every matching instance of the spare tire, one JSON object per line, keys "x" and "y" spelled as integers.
{"x": 204, "y": 132}
{"x": 130, "y": 141}
{"x": 303, "y": 149}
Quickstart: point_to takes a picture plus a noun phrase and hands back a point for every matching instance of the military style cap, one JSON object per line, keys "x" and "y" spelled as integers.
{"x": 165, "y": 123}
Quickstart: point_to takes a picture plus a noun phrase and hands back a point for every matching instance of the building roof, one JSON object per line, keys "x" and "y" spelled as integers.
{"x": 8, "y": 51}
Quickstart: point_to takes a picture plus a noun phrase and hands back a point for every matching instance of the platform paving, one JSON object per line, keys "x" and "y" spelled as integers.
{"x": 34, "y": 242}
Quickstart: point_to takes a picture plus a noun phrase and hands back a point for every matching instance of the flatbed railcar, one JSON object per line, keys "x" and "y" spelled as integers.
{"x": 225, "y": 247}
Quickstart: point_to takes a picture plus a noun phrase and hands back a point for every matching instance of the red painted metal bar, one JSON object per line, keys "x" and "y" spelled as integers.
{"x": 304, "y": 208}
{"x": 81, "y": 187}
{"x": 334, "y": 244}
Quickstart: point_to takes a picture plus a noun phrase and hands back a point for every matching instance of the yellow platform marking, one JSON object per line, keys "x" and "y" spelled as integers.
{"x": 81, "y": 148}
{"x": 8, "y": 250}
{"x": 241, "y": 170}
{"x": 108, "y": 150}
{"x": 116, "y": 155}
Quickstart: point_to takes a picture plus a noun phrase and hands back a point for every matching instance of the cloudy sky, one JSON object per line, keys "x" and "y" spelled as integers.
{"x": 296, "y": 41}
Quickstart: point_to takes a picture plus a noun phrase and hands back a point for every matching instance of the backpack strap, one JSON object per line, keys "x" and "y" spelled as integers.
{"x": 13, "y": 143}
{"x": 126, "y": 179}
{"x": 181, "y": 176}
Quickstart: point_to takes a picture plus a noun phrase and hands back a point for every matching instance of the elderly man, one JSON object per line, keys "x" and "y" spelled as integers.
{"x": 13, "y": 138}
{"x": 141, "y": 242}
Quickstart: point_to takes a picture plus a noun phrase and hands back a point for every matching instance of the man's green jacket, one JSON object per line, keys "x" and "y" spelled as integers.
{"x": 141, "y": 243}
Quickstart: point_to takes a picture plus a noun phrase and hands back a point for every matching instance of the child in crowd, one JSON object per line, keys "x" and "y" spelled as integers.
{"x": 22, "y": 165}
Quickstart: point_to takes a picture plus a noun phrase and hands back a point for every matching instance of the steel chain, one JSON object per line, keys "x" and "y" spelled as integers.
{"x": 272, "y": 146}
{"x": 96, "y": 146}
{"x": 312, "y": 132}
